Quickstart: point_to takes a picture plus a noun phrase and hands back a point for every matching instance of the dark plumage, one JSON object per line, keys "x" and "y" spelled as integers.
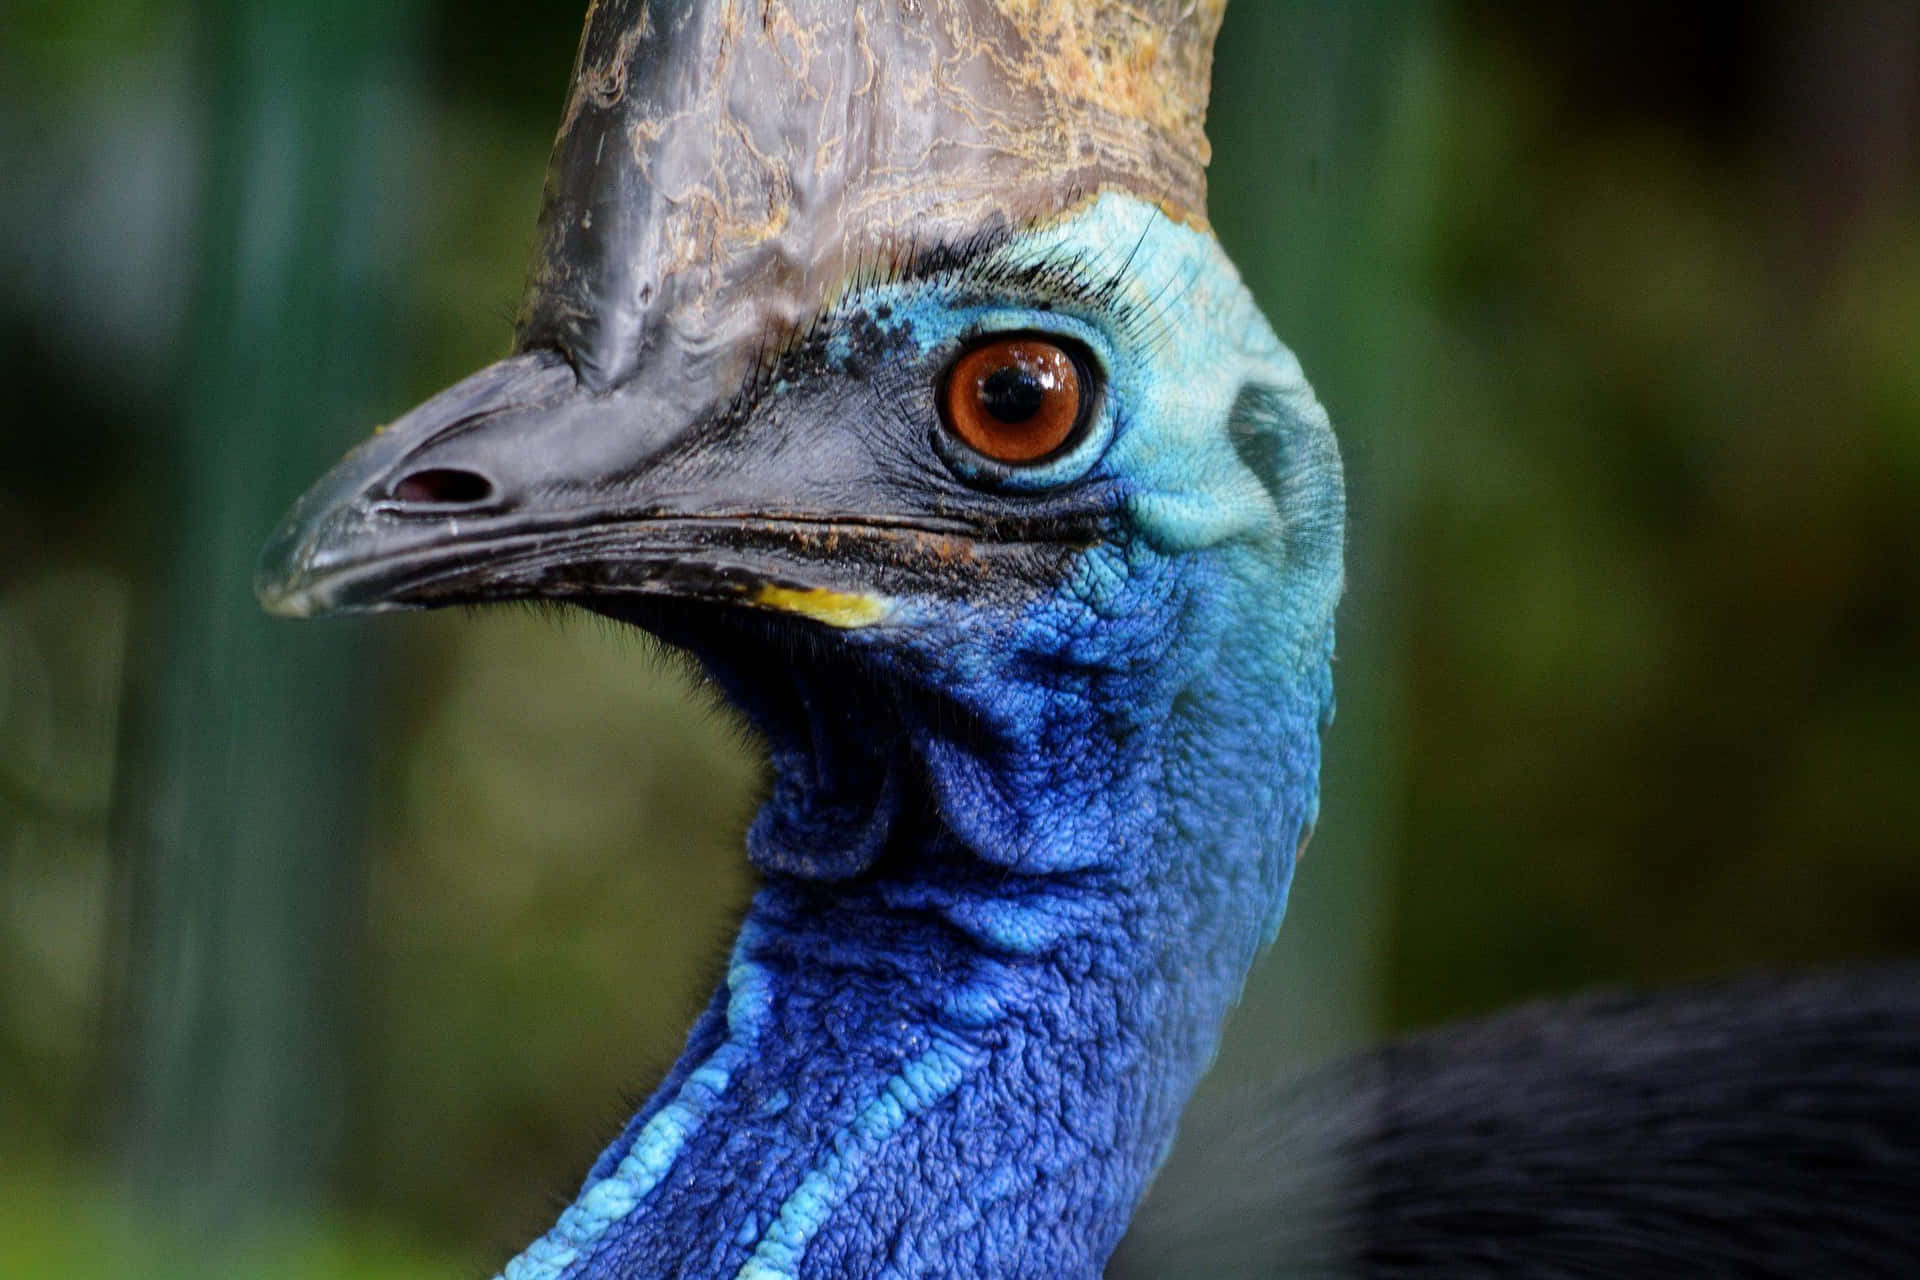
{"x": 1766, "y": 1127}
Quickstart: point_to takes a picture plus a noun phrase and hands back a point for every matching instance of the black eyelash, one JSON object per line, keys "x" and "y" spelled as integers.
{"x": 978, "y": 269}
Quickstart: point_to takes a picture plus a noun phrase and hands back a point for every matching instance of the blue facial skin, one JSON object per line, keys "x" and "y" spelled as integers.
{"x": 1021, "y": 847}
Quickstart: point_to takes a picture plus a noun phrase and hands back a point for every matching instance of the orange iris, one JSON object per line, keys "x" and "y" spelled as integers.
{"x": 1015, "y": 400}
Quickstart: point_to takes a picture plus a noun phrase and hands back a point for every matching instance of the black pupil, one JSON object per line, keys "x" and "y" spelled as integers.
{"x": 1012, "y": 394}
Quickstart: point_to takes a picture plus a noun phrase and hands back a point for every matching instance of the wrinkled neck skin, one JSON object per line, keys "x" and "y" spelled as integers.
{"x": 1017, "y": 862}
{"x": 963, "y": 1050}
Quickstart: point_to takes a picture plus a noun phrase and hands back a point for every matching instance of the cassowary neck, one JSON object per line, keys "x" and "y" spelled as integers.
{"x": 936, "y": 1056}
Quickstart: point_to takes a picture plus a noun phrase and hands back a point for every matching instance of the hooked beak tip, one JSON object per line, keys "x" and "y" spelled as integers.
{"x": 281, "y": 582}
{"x": 290, "y": 579}
{"x": 285, "y": 604}
{"x": 290, "y": 598}
{"x": 279, "y": 575}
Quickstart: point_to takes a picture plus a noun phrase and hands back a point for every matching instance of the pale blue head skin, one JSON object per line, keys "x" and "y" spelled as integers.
{"x": 1023, "y": 845}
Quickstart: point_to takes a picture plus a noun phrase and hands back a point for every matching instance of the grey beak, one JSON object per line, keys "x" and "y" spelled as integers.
{"x": 391, "y": 510}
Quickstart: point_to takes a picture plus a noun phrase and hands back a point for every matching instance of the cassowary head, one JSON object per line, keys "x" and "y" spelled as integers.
{"x": 881, "y": 356}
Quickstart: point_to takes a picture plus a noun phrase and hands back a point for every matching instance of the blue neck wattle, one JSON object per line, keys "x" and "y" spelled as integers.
{"x": 957, "y": 1041}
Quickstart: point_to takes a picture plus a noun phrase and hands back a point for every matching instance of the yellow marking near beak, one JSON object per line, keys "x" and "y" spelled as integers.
{"x": 835, "y": 608}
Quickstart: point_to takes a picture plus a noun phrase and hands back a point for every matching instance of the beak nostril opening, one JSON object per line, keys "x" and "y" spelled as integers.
{"x": 443, "y": 486}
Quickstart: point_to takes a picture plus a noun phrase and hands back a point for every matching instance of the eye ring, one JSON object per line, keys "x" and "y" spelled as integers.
{"x": 1017, "y": 400}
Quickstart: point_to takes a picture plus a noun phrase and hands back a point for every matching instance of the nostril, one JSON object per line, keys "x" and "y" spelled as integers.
{"x": 445, "y": 486}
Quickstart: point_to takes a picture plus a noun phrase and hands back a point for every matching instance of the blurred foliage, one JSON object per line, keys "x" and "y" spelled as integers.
{"x": 52, "y": 1224}
{"x": 555, "y": 875}
{"x": 1665, "y": 614}
{"x": 1656, "y": 609}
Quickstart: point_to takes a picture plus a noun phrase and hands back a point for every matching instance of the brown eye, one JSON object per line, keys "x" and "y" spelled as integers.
{"x": 1015, "y": 400}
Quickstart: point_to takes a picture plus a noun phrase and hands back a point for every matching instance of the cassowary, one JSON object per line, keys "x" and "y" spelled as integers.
{"x": 878, "y": 356}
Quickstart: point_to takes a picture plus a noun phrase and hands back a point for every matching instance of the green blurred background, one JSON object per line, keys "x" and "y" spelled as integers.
{"x": 330, "y": 949}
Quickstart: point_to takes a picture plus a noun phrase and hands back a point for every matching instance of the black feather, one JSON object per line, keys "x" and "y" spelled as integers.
{"x": 1758, "y": 1128}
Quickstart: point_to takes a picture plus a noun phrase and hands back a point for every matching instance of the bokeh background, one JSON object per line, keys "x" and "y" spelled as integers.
{"x": 330, "y": 949}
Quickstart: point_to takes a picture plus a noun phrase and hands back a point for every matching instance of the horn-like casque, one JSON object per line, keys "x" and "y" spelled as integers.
{"x": 723, "y": 165}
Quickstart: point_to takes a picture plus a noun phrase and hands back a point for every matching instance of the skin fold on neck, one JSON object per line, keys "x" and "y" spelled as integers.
{"x": 948, "y": 1066}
